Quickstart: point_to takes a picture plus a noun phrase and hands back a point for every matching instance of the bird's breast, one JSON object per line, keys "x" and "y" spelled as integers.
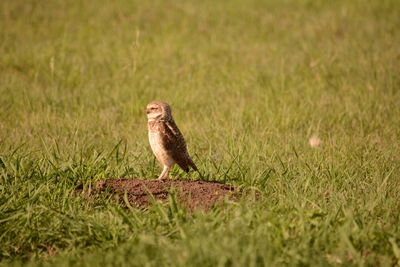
{"x": 156, "y": 142}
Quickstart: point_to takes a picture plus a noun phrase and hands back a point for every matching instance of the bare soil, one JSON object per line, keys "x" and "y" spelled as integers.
{"x": 192, "y": 194}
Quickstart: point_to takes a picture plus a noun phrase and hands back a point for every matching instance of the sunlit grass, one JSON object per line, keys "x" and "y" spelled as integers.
{"x": 254, "y": 86}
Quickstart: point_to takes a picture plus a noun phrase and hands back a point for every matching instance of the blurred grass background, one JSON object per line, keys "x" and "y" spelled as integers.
{"x": 249, "y": 82}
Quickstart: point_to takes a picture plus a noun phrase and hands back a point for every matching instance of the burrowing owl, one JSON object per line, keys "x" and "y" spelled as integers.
{"x": 166, "y": 140}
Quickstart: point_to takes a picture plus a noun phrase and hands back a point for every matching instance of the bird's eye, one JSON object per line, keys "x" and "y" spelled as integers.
{"x": 153, "y": 108}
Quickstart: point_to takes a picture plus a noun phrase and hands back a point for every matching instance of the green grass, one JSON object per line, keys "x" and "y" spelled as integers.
{"x": 249, "y": 82}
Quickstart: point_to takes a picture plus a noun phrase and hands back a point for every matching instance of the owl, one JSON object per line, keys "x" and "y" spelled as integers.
{"x": 166, "y": 140}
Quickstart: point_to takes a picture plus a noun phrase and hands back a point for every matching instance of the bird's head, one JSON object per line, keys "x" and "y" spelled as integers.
{"x": 158, "y": 111}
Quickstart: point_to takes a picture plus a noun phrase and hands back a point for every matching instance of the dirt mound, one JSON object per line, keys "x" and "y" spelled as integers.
{"x": 192, "y": 194}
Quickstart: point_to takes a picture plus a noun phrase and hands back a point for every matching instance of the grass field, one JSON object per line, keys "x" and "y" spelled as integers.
{"x": 249, "y": 82}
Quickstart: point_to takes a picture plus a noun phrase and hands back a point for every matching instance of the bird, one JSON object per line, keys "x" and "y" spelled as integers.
{"x": 166, "y": 140}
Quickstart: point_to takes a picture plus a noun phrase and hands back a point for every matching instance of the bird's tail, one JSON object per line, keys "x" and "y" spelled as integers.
{"x": 194, "y": 167}
{"x": 191, "y": 164}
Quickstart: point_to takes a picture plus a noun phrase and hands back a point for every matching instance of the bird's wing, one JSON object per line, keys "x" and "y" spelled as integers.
{"x": 176, "y": 145}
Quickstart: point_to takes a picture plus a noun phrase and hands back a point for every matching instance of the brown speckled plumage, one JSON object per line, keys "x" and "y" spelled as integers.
{"x": 166, "y": 140}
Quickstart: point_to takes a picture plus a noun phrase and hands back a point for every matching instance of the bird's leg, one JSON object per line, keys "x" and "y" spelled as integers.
{"x": 164, "y": 173}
